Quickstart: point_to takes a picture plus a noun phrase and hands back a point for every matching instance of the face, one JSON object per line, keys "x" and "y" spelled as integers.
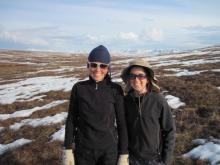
{"x": 97, "y": 70}
{"x": 138, "y": 80}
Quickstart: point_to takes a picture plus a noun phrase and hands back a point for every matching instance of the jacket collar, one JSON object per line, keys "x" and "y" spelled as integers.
{"x": 106, "y": 80}
{"x": 134, "y": 95}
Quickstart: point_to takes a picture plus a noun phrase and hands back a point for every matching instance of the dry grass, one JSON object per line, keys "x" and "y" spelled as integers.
{"x": 10, "y": 108}
{"x": 199, "y": 119}
{"x": 194, "y": 92}
{"x": 36, "y": 153}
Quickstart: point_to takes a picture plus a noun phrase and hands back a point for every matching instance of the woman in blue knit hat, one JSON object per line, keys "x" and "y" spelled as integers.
{"x": 95, "y": 105}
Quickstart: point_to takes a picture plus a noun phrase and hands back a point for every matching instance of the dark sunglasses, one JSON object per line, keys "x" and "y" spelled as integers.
{"x": 139, "y": 76}
{"x": 95, "y": 65}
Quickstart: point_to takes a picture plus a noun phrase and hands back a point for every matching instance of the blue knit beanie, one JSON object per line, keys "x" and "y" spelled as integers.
{"x": 99, "y": 54}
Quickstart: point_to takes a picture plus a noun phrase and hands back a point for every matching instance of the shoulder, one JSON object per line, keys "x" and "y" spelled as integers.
{"x": 158, "y": 97}
{"x": 161, "y": 101}
{"x": 116, "y": 88}
{"x": 80, "y": 84}
{"x": 115, "y": 85}
{"x": 84, "y": 82}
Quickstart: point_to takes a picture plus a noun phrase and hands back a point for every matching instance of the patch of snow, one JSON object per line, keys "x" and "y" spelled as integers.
{"x": 183, "y": 72}
{"x": 40, "y": 121}
{"x": 59, "y": 135}
{"x": 120, "y": 62}
{"x": 17, "y": 143}
{"x": 174, "y": 69}
{"x": 177, "y": 55}
{"x": 185, "y": 63}
{"x": 28, "y": 112}
{"x": 33, "y": 98}
{"x": 30, "y": 87}
{"x": 174, "y": 102}
{"x": 117, "y": 80}
{"x": 188, "y": 73}
{"x": 208, "y": 151}
{"x": 15, "y": 62}
{"x": 60, "y": 70}
{"x": 215, "y": 70}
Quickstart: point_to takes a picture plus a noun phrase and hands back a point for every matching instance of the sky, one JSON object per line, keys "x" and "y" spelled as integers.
{"x": 79, "y": 26}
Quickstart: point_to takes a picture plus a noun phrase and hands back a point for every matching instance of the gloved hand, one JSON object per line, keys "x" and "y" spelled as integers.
{"x": 68, "y": 157}
{"x": 123, "y": 160}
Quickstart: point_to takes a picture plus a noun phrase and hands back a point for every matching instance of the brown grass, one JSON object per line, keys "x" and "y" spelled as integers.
{"x": 198, "y": 119}
{"x": 37, "y": 152}
{"x": 191, "y": 91}
{"x": 40, "y": 133}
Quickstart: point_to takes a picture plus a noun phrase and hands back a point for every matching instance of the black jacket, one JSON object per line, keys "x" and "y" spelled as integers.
{"x": 151, "y": 129}
{"x": 93, "y": 110}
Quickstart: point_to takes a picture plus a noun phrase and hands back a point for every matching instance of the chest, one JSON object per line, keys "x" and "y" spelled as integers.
{"x": 93, "y": 100}
{"x": 143, "y": 109}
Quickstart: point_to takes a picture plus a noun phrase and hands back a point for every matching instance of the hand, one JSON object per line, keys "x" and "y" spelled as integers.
{"x": 123, "y": 160}
{"x": 68, "y": 157}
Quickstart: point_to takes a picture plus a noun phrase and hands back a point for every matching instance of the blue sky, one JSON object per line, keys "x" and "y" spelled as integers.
{"x": 72, "y": 26}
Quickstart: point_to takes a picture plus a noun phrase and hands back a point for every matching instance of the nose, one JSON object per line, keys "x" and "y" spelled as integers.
{"x": 97, "y": 68}
{"x": 136, "y": 79}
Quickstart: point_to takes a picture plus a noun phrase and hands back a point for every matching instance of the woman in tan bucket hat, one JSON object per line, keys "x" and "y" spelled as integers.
{"x": 151, "y": 129}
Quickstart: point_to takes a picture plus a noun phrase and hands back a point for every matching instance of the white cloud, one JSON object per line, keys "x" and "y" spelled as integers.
{"x": 128, "y": 36}
{"x": 38, "y": 41}
{"x": 156, "y": 34}
{"x": 161, "y": 20}
{"x": 22, "y": 38}
{"x": 92, "y": 38}
{"x": 9, "y": 36}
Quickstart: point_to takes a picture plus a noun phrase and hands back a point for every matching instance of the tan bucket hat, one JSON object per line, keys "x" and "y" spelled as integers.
{"x": 144, "y": 64}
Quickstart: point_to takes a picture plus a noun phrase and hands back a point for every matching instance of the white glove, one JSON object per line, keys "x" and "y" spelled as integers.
{"x": 123, "y": 160}
{"x": 68, "y": 157}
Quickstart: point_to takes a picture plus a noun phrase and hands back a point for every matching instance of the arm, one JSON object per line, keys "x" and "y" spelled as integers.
{"x": 168, "y": 133}
{"x": 71, "y": 121}
{"x": 121, "y": 122}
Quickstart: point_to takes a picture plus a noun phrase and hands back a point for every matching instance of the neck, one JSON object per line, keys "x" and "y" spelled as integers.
{"x": 141, "y": 93}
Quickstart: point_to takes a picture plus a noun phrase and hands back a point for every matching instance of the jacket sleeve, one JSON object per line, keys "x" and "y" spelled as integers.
{"x": 168, "y": 130}
{"x": 121, "y": 122}
{"x": 71, "y": 121}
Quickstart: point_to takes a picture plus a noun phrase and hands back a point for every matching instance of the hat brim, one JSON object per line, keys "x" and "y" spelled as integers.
{"x": 125, "y": 73}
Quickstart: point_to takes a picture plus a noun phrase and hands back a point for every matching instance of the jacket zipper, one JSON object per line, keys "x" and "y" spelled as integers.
{"x": 96, "y": 86}
{"x": 139, "y": 112}
{"x": 138, "y": 106}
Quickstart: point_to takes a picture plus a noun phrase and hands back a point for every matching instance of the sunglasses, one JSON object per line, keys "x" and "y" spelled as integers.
{"x": 139, "y": 76}
{"x": 96, "y": 65}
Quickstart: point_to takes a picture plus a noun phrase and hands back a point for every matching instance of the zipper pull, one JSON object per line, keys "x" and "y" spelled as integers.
{"x": 96, "y": 86}
{"x": 139, "y": 106}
